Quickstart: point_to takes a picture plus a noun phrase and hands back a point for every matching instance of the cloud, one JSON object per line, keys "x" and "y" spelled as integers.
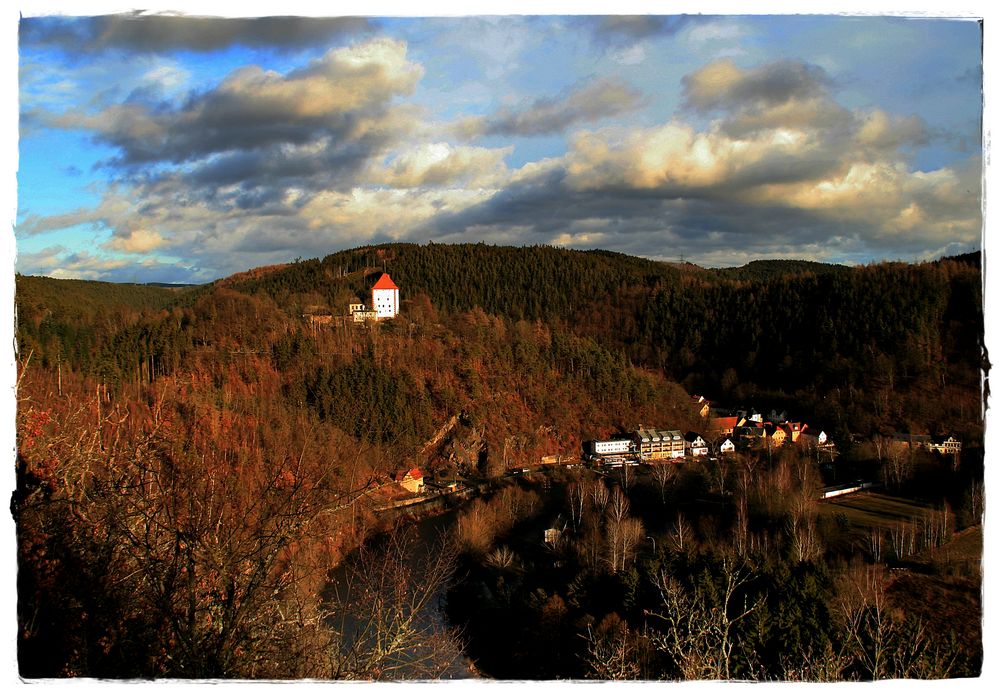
{"x": 441, "y": 164}
{"x": 882, "y": 131}
{"x": 619, "y": 30}
{"x": 136, "y": 241}
{"x": 143, "y": 33}
{"x": 759, "y": 161}
{"x": 583, "y": 102}
{"x": 61, "y": 263}
{"x": 723, "y": 85}
{"x": 714, "y": 31}
{"x": 342, "y": 95}
{"x": 783, "y": 171}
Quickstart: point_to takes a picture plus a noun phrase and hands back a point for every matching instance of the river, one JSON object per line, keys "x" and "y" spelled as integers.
{"x": 387, "y": 602}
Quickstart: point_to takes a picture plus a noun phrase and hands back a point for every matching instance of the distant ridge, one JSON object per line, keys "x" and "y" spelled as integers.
{"x": 765, "y": 269}
{"x": 973, "y": 259}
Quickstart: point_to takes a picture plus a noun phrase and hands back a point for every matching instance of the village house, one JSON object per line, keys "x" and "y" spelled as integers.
{"x": 695, "y": 445}
{"x": 750, "y": 433}
{"x": 774, "y": 435}
{"x": 723, "y": 425}
{"x": 385, "y": 302}
{"x": 360, "y": 313}
{"x": 793, "y": 430}
{"x": 412, "y": 480}
{"x": 815, "y": 440}
{"x": 947, "y": 445}
{"x": 726, "y": 446}
{"x": 912, "y": 440}
{"x": 700, "y": 405}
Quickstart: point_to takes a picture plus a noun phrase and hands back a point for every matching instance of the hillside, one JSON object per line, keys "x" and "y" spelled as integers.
{"x": 826, "y": 339}
{"x": 191, "y": 462}
{"x": 865, "y": 349}
{"x": 767, "y": 269}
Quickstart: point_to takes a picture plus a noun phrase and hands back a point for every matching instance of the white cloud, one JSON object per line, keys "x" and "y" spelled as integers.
{"x": 715, "y": 31}
{"x": 440, "y": 164}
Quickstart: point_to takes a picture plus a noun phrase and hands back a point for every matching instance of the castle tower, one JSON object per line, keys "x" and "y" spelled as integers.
{"x": 385, "y": 298}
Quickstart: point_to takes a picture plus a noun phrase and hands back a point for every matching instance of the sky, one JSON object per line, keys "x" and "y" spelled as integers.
{"x": 183, "y": 148}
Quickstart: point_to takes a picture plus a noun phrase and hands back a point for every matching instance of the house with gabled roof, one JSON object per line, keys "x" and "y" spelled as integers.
{"x": 815, "y": 439}
{"x": 655, "y": 444}
{"x": 701, "y": 405}
{"x": 793, "y": 430}
{"x": 411, "y": 479}
{"x": 913, "y": 440}
{"x": 775, "y": 435}
{"x": 694, "y": 444}
{"x": 723, "y": 425}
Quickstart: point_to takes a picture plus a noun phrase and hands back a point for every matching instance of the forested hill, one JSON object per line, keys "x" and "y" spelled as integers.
{"x": 538, "y": 282}
{"x": 893, "y": 346}
{"x": 767, "y": 269}
{"x": 69, "y": 320}
{"x": 867, "y": 348}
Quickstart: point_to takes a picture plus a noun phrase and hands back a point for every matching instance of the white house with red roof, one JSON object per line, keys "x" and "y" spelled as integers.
{"x": 411, "y": 479}
{"x": 385, "y": 298}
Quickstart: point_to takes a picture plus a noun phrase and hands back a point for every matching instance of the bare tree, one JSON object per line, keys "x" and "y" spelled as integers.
{"x": 680, "y": 533}
{"x": 618, "y": 506}
{"x": 384, "y": 613}
{"x": 698, "y": 634}
{"x": 878, "y": 643}
{"x": 599, "y": 494}
{"x": 875, "y": 544}
{"x": 615, "y": 652}
{"x": 623, "y": 535}
{"x": 977, "y": 498}
{"x": 664, "y": 475}
{"x": 576, "y": 497}
{"x": 898, "y": 465}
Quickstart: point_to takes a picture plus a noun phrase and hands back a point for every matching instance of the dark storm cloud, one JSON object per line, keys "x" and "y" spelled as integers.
{"x": 619, "y": 30}
{"x": 722, "y": 85}
{"x": 544, "y": 205}
{"x": 142, "y": 33}
{"x": 707, "y": 223}
{"x": 337, "y": 112}
{"x": 583, "y": 102}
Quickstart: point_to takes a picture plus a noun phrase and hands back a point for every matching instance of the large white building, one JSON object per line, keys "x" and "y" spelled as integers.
{"x": 605, "y": 448}
{"x": 654, "y": 444}
{"x": 385, "y": 298}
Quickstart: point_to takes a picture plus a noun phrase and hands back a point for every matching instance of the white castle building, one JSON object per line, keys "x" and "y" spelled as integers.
{"x": 385, "y": 298}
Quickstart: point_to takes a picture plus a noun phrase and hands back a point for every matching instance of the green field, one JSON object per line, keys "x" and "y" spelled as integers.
{"x": 868, "y": 509}
{"x": 856, "y": 515}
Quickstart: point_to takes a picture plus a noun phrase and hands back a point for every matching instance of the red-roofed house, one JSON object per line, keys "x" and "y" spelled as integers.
{"x": 793, "y": 430}
{"x": 723, "y": 425}
{"x": 385, "y": 297}
{"x": 412, "y": 480}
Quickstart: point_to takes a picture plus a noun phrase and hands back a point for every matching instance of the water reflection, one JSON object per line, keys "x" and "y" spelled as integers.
{"x": 386, "y": 605}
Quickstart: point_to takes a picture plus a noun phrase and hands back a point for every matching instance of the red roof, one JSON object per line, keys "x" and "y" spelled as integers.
{"x": 414, "y": 474}
{"x": 385, "y": 282}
